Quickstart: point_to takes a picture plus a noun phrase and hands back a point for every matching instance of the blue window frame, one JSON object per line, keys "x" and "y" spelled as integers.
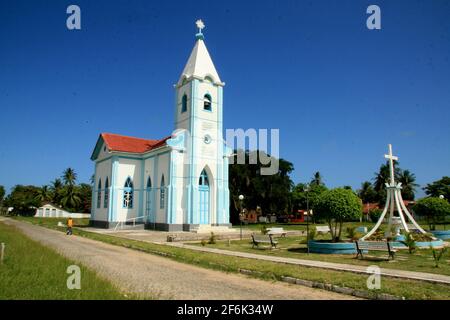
{"x": 207, "y": 102}
{"x": 184, "y": 103}
{"x": 106, "y": 199}
{"x": 128, "y": 192}
{"x": 162, "y": 194}
{"x": 148, "y": 199}
{"x": 203, "y": 180}
{"x": 99, "y": 193}
{"x": 204, "y": 196}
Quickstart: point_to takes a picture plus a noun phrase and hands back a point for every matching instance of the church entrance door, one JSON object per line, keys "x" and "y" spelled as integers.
{"x": 204, "y": 198}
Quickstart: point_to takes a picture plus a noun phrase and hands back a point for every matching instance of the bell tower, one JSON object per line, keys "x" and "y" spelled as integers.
{"x": 198, "y": 112}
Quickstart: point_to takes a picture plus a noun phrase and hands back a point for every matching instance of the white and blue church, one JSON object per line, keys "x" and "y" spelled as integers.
{"x": 179, "y": 182}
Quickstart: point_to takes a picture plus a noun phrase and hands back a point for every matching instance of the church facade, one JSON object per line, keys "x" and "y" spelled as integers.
{"x": 176, "y": 183}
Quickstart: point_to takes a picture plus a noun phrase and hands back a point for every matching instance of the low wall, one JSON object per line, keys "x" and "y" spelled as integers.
{"x": 441, "y": 234}
{"x": 332, "y": 248}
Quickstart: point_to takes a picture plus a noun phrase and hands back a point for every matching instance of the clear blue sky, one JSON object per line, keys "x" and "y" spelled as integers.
{"x": 338, "y": 92}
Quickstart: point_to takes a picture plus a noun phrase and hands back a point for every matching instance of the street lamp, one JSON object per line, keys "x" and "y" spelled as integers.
{"x": 441, "y": 196}
{"x": 241, "y": 213}
{"x": 306, "y": 189}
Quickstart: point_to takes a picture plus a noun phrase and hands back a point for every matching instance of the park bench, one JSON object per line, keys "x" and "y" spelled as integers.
{"x": 362, "y": 246}
{"x": 322, "y": 229}
{"x": 276, "y": 232}
{"x": 263, "y": 239}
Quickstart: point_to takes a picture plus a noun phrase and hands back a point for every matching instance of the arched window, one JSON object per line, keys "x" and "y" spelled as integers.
{"x": 203, "y": 180}
{"x": 148, "y": 199}
{"x": 106, "y": 200}
{"x": 184, "y": 103}
{"x": 128, "y": 194}
{"x": 162, "y": 194}
{"x": 207, "y": 102}
{"x": 99, "y": 193}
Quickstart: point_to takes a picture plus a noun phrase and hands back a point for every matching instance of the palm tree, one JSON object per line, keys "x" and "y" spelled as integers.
{"x": 43, "y": 194}
{"x": 317, "y": 179}
{"x": 69, "y": 177}
{"x": 70, "y": 198}
{"x": 409, "y": 186}
{"x": 381, "y": 177}
{"x": 367, "y": 192}
{"x": 56, "y": 188}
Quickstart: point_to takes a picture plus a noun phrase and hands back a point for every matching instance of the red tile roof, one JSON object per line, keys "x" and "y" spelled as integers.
{"x": 116, "y": 142}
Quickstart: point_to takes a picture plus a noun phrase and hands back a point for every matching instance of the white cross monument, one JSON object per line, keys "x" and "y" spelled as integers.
{"x": 394, "y": 200}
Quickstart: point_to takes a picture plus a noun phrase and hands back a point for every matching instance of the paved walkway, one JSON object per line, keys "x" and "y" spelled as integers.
{"x": 150, "y": 275}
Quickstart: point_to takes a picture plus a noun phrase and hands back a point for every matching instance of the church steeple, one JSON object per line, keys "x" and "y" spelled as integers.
{"x": 200, "y": 64}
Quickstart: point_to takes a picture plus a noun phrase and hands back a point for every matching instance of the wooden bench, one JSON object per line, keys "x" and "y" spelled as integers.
{"x": 263, "y": 239}
{"x": 322, "y": 229}
{"x": 374, "y": 246}
{"x": 276, "y": 232}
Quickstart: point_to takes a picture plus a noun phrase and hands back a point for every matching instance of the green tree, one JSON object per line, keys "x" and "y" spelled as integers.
{"x": 71, "y": 198}
{"x": 69, "y": 177}
{"x": 438, "y": 188}
{"x": 85, "y": 194}
{"x": 56, "y": 188}
{"x": 367, "y": 193}
{"x": 299, "y": 195}
{"x": 2, "y": 195}
{"x": 434, "y": 209}
{"x": 23, "y": 199}
{"x": 409, "y": 186}
{"x": 336, "y": 206}
{"x": 317, "y": 179}
{"x": 43, "y": 194}
{"x": 269, "y": 192}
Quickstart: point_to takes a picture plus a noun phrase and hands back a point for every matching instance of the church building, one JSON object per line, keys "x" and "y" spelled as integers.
{"x": 178, "y": 182}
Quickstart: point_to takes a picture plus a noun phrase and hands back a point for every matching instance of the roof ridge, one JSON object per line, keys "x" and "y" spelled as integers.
{"x": 131, "y": 137}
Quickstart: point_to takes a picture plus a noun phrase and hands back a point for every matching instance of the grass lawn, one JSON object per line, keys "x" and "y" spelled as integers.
{"x": 409, "y": 289}
{"x": 33, "y": 271}
{"x": 295, "y": 247}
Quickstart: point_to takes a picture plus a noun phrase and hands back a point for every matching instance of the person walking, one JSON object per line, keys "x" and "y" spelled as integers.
{"x": 69, "y": 226}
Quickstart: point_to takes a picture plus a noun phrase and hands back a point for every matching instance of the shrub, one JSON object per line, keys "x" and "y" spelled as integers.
{"x": 437, "y": 255}
{"x": 375, "y": 214}
{"x": 212, "y": 238}
{"x": 377, "y": 236}
{"x": 336, "y": 206}
{"x": 312, "y": 233}
{"x": 352, "y": 233}
{"x": 203, "y": 242}
{"x": 433, "y": 209}
{"x": 264, "y": 229}
{"x": 410, "y": 242}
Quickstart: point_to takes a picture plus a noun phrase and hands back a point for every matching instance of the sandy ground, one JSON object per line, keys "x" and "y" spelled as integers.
{"x": 162, "y": 278}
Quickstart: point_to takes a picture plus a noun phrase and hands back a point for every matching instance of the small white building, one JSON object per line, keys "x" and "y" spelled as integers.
{"x": 49, "y": 210}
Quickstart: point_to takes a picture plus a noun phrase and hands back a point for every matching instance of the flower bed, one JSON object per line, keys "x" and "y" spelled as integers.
{"x": 419, "y": 244}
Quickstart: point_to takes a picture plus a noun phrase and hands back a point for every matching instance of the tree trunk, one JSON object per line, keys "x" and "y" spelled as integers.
{"x": 330, "y": 225}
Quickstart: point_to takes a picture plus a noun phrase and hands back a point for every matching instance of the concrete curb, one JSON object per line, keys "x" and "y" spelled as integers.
{"x": 329, "y": 287}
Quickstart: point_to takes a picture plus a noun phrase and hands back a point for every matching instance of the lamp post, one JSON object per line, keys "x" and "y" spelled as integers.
{"x": 442, "y": 197}
{"x": 306, "y": 189}
{"x": 241, "y": 213}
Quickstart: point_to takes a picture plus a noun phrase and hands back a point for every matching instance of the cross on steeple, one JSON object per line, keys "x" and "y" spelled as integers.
{"x": 200, "y": 25}
{"x": 391, "y": 163}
